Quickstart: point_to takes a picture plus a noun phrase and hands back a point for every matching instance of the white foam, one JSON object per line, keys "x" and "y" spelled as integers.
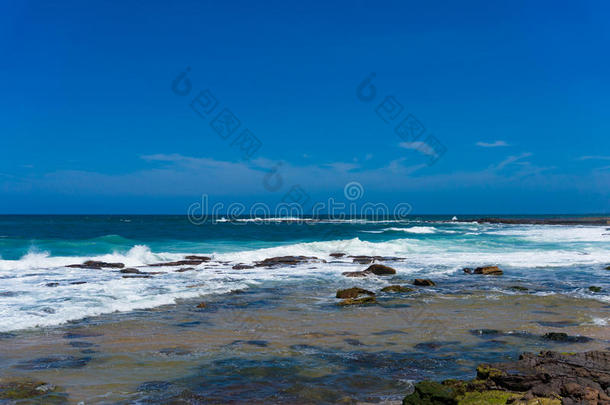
{"x": 26, "y": 300}
{"x": 414, "y": 229}
{"x": 555, "y": 233}
{"x": 139, "y": 255}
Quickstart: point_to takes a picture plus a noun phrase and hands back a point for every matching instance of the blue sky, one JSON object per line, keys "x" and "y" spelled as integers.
{"x": 517, "y": 94}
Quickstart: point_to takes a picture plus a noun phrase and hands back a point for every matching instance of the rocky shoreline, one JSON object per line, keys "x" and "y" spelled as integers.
{"x": 548, "y": 378}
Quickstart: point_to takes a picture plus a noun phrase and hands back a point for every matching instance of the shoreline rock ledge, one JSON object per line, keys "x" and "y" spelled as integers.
{"x": 549, "y": 378}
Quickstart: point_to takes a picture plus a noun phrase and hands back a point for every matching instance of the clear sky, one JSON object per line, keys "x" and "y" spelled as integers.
{"x": 516, "y": 97}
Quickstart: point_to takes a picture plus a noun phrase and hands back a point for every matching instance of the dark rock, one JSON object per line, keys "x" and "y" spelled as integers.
{"x": 380, "y": 270}
{"x": 486, "y": 332}
{"x": 130, "y": 270}
{"x": 91, "y": 264}
{"x": 175, "y": 351}
{"x": 198, "y": 258}
{"x": 564, "y": 337}
{"x": 353, "y": 342}
{"x": 78, "y": 282}
{"x": 182, "y": 270}
{"x": 155, "y": 386}
{"x": 577, "y": 378}
{"x": 362, "y": 259}
{"x": 353, "y": 292}
{"x": 595, "y": 289}
{"x": 52, "y": 284}
{"x": 371, "y": 259}
{"x": 423, "y": 282}
{"x": 241, "y": 266}
{"x": 548, "y": 378}
{"x": 389, "y": 332}
{"x": 285, "y": 261}
{"x": 80, "y": 344}
{"x": 557, "y": 324}
{"x": 337, "y": 255}
{"x": 138, "y": 276}
{"x": 188, "y": 324}
{"x": 488, "y": 271}
{"x": 259, "y": 343}
{"x": 80, "y": 335}
{"x": 607, "y": 267}
{"x": 357, "y": 301}
{"x": 178, "y": 263}
{"x": 377, "y": 269}
{"x": 201, "y": 305}
{"x": 355, "y": 273}
{"x": 396, "y": 289}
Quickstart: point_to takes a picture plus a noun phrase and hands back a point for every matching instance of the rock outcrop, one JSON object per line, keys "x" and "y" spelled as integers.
{"x": 423, "y": 282}
{"x": 488, "y": 271}
{"x": 546, "y": 378}
{"x": 92, "y": 264}
{"x": 353, "y": 292}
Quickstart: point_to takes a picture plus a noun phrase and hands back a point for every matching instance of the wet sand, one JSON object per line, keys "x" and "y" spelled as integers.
{"x": 295, "y": 345}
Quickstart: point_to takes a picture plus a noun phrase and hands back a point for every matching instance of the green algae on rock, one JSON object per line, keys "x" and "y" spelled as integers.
{"x": 34, "y": 391}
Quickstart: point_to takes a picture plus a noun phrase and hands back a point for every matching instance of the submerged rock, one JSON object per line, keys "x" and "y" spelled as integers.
{"x": 423, "y": 282}
{"x": 241, "y": 266}
{"x": 53, "y": 362}
{"x": 362, "y": 259}
{"x": 198, "y": 258}
{"x": 595, "y": 289}
{"x": 52, "y": 284}
{"x": 488, "y": 271}
{"x": 285, "y": 261}
{"x": 30, "y": 391}
{"x": 396, "y": 289}
{"x": 357, "y": 301}
{"x": 355, "y": 273}
{"x": 337, "y": 255}
{"x": 380, "y": 270}
{"x": 130, "y": 270}
{"x": 353, "y": 292}
{"x": 467, "y": 270}
{"x": 564, "y": 337}
{"x": 91, "y": 264}
{"x": 518, "y": 288}
{"x": 201, "y": 305}
{"x": 182, "y": 270}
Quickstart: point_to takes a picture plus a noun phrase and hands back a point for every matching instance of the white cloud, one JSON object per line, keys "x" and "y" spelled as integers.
{"x": 594, "y": 157}
{"x": 422, "y": 147}
{"x": 511, "y": 159}
{"x": 495, "y": 144}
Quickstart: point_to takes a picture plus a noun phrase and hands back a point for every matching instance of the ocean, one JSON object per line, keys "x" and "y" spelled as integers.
{"x": 227, "y": 331}
{"x": 562, "y": 260}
